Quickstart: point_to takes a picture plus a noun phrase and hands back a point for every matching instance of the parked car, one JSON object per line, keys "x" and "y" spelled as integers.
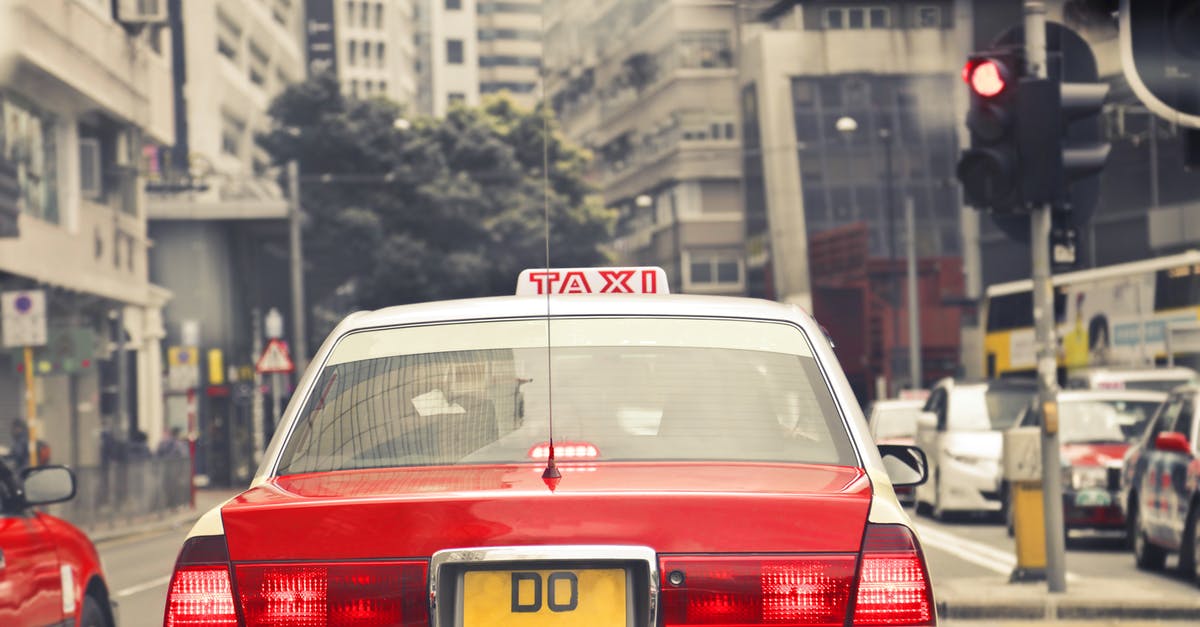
{"x": 1160, "y": 487}
{"x": 894, "y": 421}
{"x": 49, "y": 570}
{"x": 1096, "y": 427}
{"x": 961, "y": 432}
{"x": 1162, "y": 379}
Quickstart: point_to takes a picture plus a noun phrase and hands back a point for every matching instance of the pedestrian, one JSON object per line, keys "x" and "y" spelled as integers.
{"x": 138, "y": 449}
{"x": 19, "y": 451}
{"x": 172, "y": 444}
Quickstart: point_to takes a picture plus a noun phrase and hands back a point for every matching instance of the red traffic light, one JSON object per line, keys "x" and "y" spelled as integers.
{"x": 987, "y": 78}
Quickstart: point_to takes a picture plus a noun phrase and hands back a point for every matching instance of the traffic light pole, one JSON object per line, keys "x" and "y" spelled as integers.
{"x": 1043, "y": 316}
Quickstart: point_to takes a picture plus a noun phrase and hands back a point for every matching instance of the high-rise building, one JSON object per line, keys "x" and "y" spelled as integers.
{"x": 510, "y": 48}
{"x": 85, "y": 112}
{"x": 376, "y": 48}
{"x": 651, "y": 87}
{"x": 469, "y": 48}
{"x": 217, "y": 212}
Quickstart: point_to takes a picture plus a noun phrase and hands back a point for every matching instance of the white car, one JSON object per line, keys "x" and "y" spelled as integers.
{"x": 962, "y": 433}
{"x": 1155, "y": 379}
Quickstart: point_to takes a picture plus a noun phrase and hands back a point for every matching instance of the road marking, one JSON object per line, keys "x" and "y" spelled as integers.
{"x": 142, "y": 587}
{"x": 978, "y": 553}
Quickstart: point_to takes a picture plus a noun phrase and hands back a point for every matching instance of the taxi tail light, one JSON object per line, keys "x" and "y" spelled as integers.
{"x": 893, "y": 582}
{"x": 201, "y": 593}
{"x": 359, "y": 594}
{"x": 760, "y": 590}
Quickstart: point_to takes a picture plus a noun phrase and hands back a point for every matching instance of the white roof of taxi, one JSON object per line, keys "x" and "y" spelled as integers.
{"x": 1067, "y": 396}
{"x": 687, "y": 305}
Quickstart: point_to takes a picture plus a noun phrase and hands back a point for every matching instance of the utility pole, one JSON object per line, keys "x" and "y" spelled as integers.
{"x": 296, "y": 257}
{"x": 1043, "y": 316}
{"x": 914, "y": 309}
{"x": 886, "y": 135}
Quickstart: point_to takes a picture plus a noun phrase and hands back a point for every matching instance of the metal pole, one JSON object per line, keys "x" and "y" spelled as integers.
{"x": 885, "y": 134}
{"x": 914, "y": 309}
{"x": 1043, "y": 316}
{"x": 256, "y": 409}
{"x": 30, "y": 408}
{"x": 276, "y": 393}
{"x": 296, "y": 255}
{"x": 122, "y": 374}
{"x": 1153, "y": 161}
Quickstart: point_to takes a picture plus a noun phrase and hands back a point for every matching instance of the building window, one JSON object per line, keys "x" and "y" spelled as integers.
{"x": 366, "y": 53}
{"x": 456, "y": 97}
{"x": 929, "y": 17}
{"x": 453, "y": 5}
{"x": 366, "y": 14}
{"x": 835, "y": 19}
{"x": 258, "y": 65}
{"x": 229, "y": 36}
{"x": 383, "y": 87}
{"x": 380, "y": 53}
{"x": 714, "y": 268}
{"x": 232, "y": 130}
{"x": 354, "y": 89}
{"x": 350, "y": 12}
{"x": 705, "y": 49}
{"x": 880, "y": 17}
{"x": 27, "y": 142}
{"x": 454, "y": 51}
{"x": 379, "y": 15}
{"x": 351, "y": 53}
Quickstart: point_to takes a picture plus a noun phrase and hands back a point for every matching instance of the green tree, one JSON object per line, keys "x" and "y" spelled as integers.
{"x": 444, "y": 208}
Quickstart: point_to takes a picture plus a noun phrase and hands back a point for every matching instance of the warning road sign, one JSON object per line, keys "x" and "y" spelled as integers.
{"x": 275, "y": 358}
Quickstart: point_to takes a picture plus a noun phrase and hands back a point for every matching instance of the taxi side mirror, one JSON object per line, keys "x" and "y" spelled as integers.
{"x": 906, "y": 465}
{"x": 1172, "y": 442}
{"x": 927, "y": 420}
{"x": 48, "y": 484}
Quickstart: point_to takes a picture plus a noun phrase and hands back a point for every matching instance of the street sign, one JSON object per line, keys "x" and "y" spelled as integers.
{"x": 183, "y": 368}
{"x": 275, "y": 359}
{"x": 24, "y": 318}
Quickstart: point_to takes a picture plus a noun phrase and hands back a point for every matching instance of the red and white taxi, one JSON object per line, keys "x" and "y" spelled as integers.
{"x": 592, "y": 451}
{"x": 49, "y": 571}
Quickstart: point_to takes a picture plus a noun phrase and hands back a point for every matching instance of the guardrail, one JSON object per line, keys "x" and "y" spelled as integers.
{"x": 126, "y": 492}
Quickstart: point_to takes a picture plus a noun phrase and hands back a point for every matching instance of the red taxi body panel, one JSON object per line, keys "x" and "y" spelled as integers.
{"x": 35, "y": 547}
{"x": 670, "y": 507}
{"x": 1106, "y": 454}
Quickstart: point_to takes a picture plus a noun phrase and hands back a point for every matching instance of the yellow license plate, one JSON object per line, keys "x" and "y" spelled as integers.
{"x": 580, "y": 597}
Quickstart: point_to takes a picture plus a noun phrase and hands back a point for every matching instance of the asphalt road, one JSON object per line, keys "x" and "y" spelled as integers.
{"x": 975, "y": 547}
{"x": 138, "y": 570}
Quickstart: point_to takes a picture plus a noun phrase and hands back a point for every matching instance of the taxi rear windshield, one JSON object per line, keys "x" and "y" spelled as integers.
{"x": 618, "y": 389}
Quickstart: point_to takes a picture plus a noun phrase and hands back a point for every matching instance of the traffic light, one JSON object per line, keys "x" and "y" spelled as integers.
{"x": 989, "y": 170}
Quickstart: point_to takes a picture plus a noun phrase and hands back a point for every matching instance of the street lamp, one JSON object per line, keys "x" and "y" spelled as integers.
{"x": 848, "y": 126}
{"x": 401, "y": 124}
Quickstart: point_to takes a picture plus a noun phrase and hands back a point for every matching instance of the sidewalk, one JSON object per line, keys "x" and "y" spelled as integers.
{"x": 1086, "y": 598}
{"x": 206, "y": 499}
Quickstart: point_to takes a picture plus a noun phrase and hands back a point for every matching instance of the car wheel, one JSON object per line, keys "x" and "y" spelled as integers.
{"x": 92, "y": 614}
{"x": 1189, "y": 553}
{"x": 1146, "y": 555}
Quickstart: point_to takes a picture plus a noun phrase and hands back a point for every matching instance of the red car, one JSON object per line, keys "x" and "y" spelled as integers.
{"x": 1096, "y": 427}
{"x": 49, "y": 571}
{"x": 633, "y": 458}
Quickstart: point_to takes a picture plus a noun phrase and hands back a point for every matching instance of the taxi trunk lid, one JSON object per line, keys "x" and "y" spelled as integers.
{"x": 669, "y": 507}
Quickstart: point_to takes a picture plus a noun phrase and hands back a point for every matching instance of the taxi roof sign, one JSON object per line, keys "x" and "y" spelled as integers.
{"x": 626, "y": 280}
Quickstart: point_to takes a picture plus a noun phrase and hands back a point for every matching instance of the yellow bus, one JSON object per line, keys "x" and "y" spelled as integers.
{"x": 1111, "y": 316}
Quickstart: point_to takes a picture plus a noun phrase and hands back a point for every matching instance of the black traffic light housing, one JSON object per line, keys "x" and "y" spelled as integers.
{"x": 1160, "y": 54}
{"x": 1055, "y": 138}
{"x": 989, "y": 169}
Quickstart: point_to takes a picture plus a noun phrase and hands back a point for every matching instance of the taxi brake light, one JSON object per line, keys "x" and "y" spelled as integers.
{"x": 200, "y": 593}
{"x": 564, "y": 451}
{"x": 360, "y": 594}
{"x": 759, "y": 590}
{"x": 893, "y": 583}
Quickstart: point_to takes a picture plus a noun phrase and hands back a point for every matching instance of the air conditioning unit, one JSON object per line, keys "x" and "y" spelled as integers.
{"x": 140, "y": 12}
{"x": 91, "y": 182}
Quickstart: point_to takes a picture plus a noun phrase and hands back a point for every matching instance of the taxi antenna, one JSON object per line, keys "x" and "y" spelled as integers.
{"x": 551, "y": 474}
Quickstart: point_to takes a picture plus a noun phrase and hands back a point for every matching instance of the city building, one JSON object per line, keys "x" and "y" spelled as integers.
{"x": 850, "y": 112}
{"x": 376, "y": 48}
{"x": 86, "y": 107}
{"x": 651, "y": 88}
{"x": 218, "y": 216}
{"x": 510, "y": 49}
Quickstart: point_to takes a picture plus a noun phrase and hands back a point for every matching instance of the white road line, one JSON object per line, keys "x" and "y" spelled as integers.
{"x": 978, "y": 553}
{"x": 142, "y": 587}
